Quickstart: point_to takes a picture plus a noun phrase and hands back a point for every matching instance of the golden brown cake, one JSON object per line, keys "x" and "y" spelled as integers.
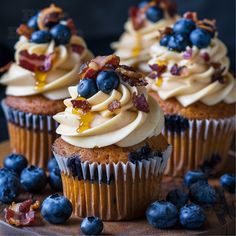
{"x": 111, "y": 151}
{"x": 192, "y": 83}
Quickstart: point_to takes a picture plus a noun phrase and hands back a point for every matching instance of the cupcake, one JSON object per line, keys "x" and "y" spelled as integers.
{"x": 111, "y": 151}
{"x": 142, "y": 31}
{"x": 190, "y": 79}
{"x": 47, "y": 59}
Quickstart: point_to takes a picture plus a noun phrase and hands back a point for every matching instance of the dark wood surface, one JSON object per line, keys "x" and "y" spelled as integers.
{"x": 220, "y": 218}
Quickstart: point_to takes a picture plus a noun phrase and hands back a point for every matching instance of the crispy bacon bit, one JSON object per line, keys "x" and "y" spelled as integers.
{"x": 176, "y": 70}
{"x": 188, "y": 53}
{"x": 166, "y": 31}
{"x": 208, "y": 25}
{"x": 159, "y": 69}
{"x": 81, "y": 104}
{"x": 152, "y": 75}
{"x": 191, "y": 15}
{"x": 77, "y": 48}
{"x": 101, "y": 61}
{"x": 218, "y": 75}
{"x": 70, "y": 23}
{"x": 114, "y": 105}
{"x": 5, "y": 67}
{"x": 137, "y": 17}
{"x": 168, "y": 6}
{"x": 22, "y": 214}
{"x": 24, "y": 30}
{"x": 140, "y": 102}
{"x": 205, "y": 56}
{"x": 34, "y": 62}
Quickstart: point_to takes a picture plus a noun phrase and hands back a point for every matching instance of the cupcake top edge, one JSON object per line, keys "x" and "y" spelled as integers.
{"x": 47, "y": 56}
{"x": 190, "y": 63}
{"x": 110, "y": 105}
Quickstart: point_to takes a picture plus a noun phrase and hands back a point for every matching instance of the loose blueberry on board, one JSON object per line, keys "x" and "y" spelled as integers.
{"x": 200, "y": 38}
{"x": 33, "y": 179}
{"x": 41, "y": 36}
{"x": 55, "y": 179}
{"x": 87, "y": 87}
{"x": 177, "y": 197}
{"x": 184, "y": 26}
{"x": 178, "y": 42}
{"x": 15, "y": 162}
{"x": 193, "y": 176}
{"x": 91, "y": 226}
{"x": 228, "y": 182}
{"x": 61, "y": 34}
{"x": 202, "y": 193}
{"x": 192, "y": 216}
{"x": 33, "y": 22}
{"x": 154, "y": 14}
{"x": 9, "y": 186}
{"x": 107, "y": 81}
{"x": 52, "y": 164}
{"x": 165, "y": 40}
{"x": 162, "y": 214}
{"x": 56, "y": 209}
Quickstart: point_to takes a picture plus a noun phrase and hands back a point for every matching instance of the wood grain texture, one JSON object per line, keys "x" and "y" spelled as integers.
{"x": 220, "y": 218}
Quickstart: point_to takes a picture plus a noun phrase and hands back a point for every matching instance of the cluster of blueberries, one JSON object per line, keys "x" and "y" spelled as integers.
{"x": 59, "y": 32}
{"x": 186, "y": 33}
{"x": 176, "y": 207}
{"x": 106, "y": 81}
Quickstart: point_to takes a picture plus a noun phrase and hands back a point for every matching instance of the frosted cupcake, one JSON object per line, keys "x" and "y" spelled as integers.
{"x": 142, "y": 31}
{"x": 47, "y": 59}
{"x": 111, "y": 151}
{"x": 190, "y": 79}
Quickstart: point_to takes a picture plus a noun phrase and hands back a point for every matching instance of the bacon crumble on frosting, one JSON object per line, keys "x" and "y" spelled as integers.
{"x": 140, "y": 102}
{"x": 83, "y": 104}
{"x": 114, "y": 105}
{"x": 24, "y": 30}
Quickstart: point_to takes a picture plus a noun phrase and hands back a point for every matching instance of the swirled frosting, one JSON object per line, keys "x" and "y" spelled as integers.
{"x": 197, "y": 77}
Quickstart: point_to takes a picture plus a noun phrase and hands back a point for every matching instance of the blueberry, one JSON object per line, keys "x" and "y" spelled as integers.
{"x": 91, "y": 226}
{"x": 41, "y": 36}
{"x": 228, "y": 182}
{"x": 192, "y": 216}
{"x": 202, "y": 193}
{"x": 107, "y": 81}
{"x": 15, "y": 162}
{"x": 162, "y": 215}
{"x": 143, "y": 4}
{"x": 178, "y": 42}
{"x": 55, "y": 179}
{"x": 193, "y": 176}
{"x": 56, "y": 209}
{"x": 200, "y": 38}
{"x": 184, "y": 26}
{"x": 61, "y": 34}
{"x": 87, "y": 87}
{"x": 165, "y": 40}
{"x": 52, "y": 164}
{"x": 154, "y": 14}
{"x": 177, "y": 197}
{"x": 33, "y": 179}
{"x": 9, "y": 186}
{"x": 33, "y": 22}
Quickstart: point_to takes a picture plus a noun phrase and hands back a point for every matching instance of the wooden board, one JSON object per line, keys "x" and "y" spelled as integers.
{"x": 220, "y": 218}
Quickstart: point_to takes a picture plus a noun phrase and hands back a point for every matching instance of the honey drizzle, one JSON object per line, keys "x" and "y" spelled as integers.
{"x": 40, "y": 78}
{"x": 159, "y": 81}
{"x": 137, "y": 47}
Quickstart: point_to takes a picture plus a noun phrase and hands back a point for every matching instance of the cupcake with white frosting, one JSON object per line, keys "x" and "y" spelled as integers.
{"x": 47, "y": 59}
{"x": 142, "y": 31}
{"x": 190, "y": 79}
{"x": 111, "y": 151}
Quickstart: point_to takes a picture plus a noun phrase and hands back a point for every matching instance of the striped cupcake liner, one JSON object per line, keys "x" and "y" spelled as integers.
{"x": 199, "y": 144}
{"x": 30, "y": 135}
{"x": 114, "y": 191}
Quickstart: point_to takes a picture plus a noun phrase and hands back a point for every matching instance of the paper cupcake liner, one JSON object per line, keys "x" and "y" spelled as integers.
{"x": 30, "y": 135}
{"x": 114, "y": 191}
{"x": 199, "y": 144}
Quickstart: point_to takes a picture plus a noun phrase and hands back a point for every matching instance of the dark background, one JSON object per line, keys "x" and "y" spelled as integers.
{"x": 101, "y": 22}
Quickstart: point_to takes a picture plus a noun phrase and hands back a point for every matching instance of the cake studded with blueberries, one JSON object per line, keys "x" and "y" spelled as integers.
{"x": 48, "y": 56}
{"x": 190, "y": 79}
{"x": 111, "y": 151}
{"x": 142, "y": 31}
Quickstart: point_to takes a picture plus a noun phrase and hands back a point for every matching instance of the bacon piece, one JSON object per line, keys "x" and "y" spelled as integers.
{"x": 5, "y": 67}
{"x": 166, "y": 31}
{"x": 191, "y": 15}
{"x": 140, "y": 102}
{"x": 168, "y": 6}
{"x": 84, "y": 105}
{"x": 70, "y": 23}
{"x": 114, "y": 105}
{"x": 22, "y": 214}
{"x": 24, "y": 30}
{"x": 34, "y": 62}
{"x": 101, "y": 61}
{"x": 205, "y": 56}
{"x": 137, "y": 17}
{"x": 176, "y": 70}
{"x": 159, "y": 69}
{"x": 77, "y": 48}
{"x": 218, "y": 75}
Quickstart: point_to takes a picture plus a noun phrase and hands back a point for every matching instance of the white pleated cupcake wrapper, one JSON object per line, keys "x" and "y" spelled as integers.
{"x": 215, "y": 134}
{"x": 155, "y": 166}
